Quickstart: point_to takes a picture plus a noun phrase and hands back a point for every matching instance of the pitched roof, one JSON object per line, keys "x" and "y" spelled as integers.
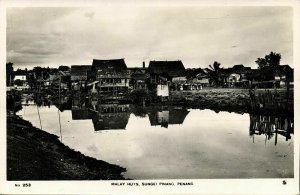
{"x": 136, "y": 70}
{"x": 172, "y": 117}
{"x": 240, "y": 68}
{"x": 80, "y": 114}
{"x": 286, "y": 68}
{"x": 80, "y": 70}
{"x": 110, "y": 121}
{"x": 139, "y": 76}
{"x": 235, "y": 69}
{"x": 113, "y": 65}
{"x": 172, "y": 68}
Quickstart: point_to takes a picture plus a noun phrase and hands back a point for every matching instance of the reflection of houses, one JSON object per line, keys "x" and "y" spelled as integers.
{"x": 80, "y": 106}
{"x": 64, "y": 103}
{"x": 112, "y": 75}
{"x": 110, "y": 116}
{"x": 80, "y": 74}
{"x": 167, "y": 117}
{"x": 60, "y": 79}
{"x": 270, "y": 126}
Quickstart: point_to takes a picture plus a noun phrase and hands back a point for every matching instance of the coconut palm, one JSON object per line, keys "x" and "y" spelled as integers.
{"x": 214, "y": 73}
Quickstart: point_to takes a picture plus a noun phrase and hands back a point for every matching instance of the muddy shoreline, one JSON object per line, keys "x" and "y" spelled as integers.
{"x": 33, "y": 154}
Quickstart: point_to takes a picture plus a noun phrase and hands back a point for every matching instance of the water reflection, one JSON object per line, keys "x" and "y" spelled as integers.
{"x": 271, "y": 126}
{"x": 165, "y": 116}
{"x": 110, "y": 116}
{"x": 203, "y": 144}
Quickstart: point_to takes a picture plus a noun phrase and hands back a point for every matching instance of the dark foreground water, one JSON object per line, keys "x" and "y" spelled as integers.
{"x": 173, "y": 142}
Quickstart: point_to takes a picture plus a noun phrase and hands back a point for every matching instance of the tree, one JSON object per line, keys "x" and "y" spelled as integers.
{"x": 9, "y": 73}
{"x": 214, "y": 73}
{"x": 270, "y": 60}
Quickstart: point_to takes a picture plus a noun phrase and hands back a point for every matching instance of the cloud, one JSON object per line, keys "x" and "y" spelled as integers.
{"x": 196, "y": 35}
{"x": 89, "y": 15}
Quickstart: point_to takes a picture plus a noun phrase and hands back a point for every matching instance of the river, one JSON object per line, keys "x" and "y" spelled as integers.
{"x": 172, "y": 142}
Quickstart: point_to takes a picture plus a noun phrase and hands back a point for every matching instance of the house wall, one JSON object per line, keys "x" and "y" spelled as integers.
{"x": 139, "y": 84}
{"x": 113, "y": 82}
{"x": 203, "y": 81}
{"x": 162, "y": 90}
{"x": 20, "y": 77}
{"x": 78, "y": 78}
{"x": 163, "y": 117}
{"x": 177, "y": 79}
{"x": 234, "y": 77}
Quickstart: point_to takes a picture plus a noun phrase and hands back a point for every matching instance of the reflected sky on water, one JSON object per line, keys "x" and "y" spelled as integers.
{"x": 173, "y": 142}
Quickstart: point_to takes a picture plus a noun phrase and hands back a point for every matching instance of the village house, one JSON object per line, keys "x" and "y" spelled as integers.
{"x": 112, "y": 76}
{"x": 284, "y": 75}
{"x": 270, "y": 77}
{"x": 236, "y": 76}
{"x": 20, "y": 80}
{"x": 163, "y": 74}
{"x": 138, "y": 77}
{"x": 80, "y": 75}
{"x": 199, "y": 81}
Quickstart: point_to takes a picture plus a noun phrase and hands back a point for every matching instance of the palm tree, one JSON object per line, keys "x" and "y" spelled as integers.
{"x": 214, "y": 73}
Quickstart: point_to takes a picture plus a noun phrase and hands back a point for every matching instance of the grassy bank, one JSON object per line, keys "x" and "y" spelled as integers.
{"x": 33, "y": 154}
{"x": 236, "y": 100}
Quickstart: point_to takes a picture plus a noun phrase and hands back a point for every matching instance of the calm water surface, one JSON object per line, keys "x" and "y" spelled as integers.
{"x": 172, "y": 143}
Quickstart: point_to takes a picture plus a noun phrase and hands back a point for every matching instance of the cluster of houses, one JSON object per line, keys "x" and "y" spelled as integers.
{"x": 114, "y": 77}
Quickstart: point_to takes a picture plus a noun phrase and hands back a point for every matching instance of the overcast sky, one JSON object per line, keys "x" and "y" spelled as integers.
{"x": 196, "y": 35}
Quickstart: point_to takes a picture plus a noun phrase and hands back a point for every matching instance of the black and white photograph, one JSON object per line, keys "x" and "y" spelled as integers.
{"x": 145, "y": 96}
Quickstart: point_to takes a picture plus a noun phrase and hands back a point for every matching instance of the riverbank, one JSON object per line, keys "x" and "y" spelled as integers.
{"x": 33, "y": 154}
{"x": 235, "y": 100}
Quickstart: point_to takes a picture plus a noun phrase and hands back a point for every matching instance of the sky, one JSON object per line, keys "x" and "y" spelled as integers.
{"x": 197, "y": 35}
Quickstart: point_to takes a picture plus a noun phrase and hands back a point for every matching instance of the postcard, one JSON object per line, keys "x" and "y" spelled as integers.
{"x": 145, "y": 97}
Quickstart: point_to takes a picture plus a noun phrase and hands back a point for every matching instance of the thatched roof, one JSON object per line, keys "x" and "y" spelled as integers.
{"x": 80, "y": 114}
{"x": 139, "y": 76}
{"x": 80, "y": 70}
{"x": 239, "y": 69}
{"x": 171, "y": 68}
{"x": 113, "y": 65}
